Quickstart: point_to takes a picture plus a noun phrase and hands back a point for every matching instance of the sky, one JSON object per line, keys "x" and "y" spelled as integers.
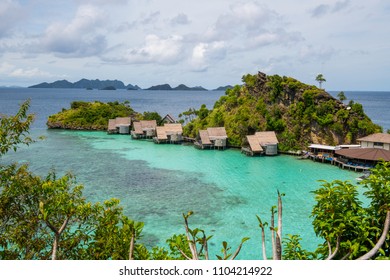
{"x": 207, "y": 43}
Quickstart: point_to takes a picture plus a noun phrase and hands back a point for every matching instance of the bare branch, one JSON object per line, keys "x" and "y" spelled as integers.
{"x": 381, "y": 240}
{"x": 131, "y": 249}
{"x": 184, "y": 255}
{"x": 191, "y": 243}
{"x": 279, "y": 233}
{"x": 332, "y": 255}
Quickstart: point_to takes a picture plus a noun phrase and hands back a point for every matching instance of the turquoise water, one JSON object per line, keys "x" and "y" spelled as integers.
{"x": 157, "y": 183}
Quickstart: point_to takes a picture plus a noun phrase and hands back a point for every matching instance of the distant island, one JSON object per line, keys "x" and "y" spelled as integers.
{"x": 87, "y": 84}
{"x": 224, "y": 88}
{"x": 179, "y": 87}
{"x": 116, "y": 84}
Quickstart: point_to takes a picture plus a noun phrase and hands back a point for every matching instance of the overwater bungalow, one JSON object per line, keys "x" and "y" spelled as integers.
{"x": 212, "y": 137}
{"x": 169, "y": 133}
{"x": 144, "y": 129}
{"x": 263, "y": 142}
{"x": 119, "y": 125}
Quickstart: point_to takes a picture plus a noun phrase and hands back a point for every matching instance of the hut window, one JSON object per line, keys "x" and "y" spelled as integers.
{"x": 378, "y": 144}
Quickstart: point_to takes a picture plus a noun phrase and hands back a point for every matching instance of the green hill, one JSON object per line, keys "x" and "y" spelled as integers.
{"x": 89, "y": 115}
{"x": 299, "y": 113}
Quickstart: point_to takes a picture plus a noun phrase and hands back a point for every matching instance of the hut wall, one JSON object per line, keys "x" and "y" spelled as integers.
{"x": 271, "y": 149}
{"x": 221, "y": 142}
{"x": 124, "y": 129}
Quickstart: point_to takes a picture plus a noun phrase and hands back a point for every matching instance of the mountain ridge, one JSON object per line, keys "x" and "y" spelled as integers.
{"x": 117, "y": 84}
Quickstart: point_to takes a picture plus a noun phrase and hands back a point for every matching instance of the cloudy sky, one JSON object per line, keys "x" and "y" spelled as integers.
{"x": 202, "y": 42}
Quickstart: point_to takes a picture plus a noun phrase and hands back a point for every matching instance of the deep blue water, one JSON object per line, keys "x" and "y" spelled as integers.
{"x": 157, "y": 183}
{"x": 45, "y": 102}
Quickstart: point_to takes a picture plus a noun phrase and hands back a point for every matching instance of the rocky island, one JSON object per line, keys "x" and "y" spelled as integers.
{"x": 300, "y": 114}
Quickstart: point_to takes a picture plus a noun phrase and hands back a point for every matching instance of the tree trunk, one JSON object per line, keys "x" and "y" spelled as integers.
{"x": 263, "y": 243}
{"x": 131, "y": 249}
{"x": 279, "y": 233}
{"x": 273, "y": 235}
{"x": 55, "y": 246}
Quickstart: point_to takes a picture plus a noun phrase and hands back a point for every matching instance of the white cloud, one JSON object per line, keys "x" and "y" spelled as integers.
{"x": 323, "y": 9}
{"x": 80, "y": 37}
{"x": 215, "y": 38}
{"x": 157, "y": 50}
{"x": 29, "y": 73}
{"x": 180, "y": 19}
{"x": 252, "y": 25}
{"x": 10, "y": 14}
{"x": 9, "y": 70}
{"x": 203, "y": 54}
{"x": 308, "y": 54}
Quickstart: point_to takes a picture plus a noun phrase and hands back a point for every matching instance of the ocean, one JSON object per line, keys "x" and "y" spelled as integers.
{"x": 157, "y": 183}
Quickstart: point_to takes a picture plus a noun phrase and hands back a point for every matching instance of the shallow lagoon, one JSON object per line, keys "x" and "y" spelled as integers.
{"x": 157, "y": 183}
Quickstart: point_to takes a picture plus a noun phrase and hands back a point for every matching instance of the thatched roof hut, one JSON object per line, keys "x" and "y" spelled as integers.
{"x": 212, "y": 137}
{"x": 170, "y": 132}
{"x": 262, "y": 142}
{"x": 144, "y": 129}
{"x": 119, "y": 125}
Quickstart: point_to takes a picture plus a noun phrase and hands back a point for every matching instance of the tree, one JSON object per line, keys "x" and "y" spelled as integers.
{"x": 276, "y": 231}
{"x": 320, "y": 79}
{"x": 341, "y": 96}
{"x": 152, "y": 116}
{"x": 188, "y": 244}
{"x": 14, "y": 129}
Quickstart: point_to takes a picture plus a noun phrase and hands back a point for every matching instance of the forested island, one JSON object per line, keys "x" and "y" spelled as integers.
{"x": 300, "y": 114}
{"x": 89, "y": 115}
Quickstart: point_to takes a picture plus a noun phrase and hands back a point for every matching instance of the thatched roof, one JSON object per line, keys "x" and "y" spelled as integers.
{"x": 173, "y": 128}
{"x": 111, "y": 124}
{"x": 138, "y": 128}
{"x": 168, "y": 129}
{"x": 216, "y": 133}
{"x": 141, "y": 126}
{"x": 204, "y": 137}
{"x": 254, "y": 143}
{"x": 266, "y": 137}
{"x": 123, "y": 121}
{"x": 161, "y": 133}
{"x": 114, "y": 123}
{"x": 376, "y": 137}
{"x": 152, "y": 124}
{"x": 372, "y": 154}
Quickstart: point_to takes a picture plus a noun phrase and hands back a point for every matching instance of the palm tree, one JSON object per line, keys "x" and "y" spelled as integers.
{"x": 320, "y": 79}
